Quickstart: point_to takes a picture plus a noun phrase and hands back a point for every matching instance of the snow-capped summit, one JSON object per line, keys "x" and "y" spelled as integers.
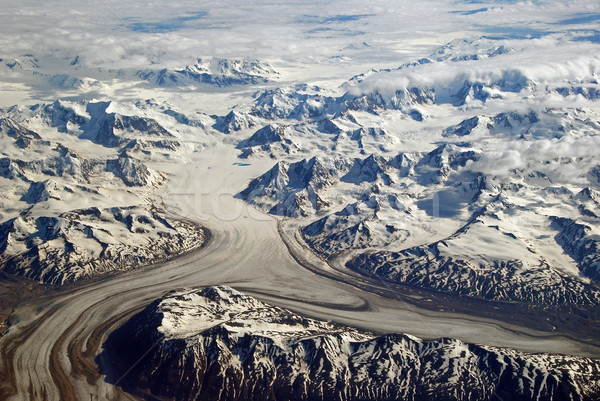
{"x": 297, "y": 102}
{"x": 187, "y": 314}
{"x": 369, "y": 169}
{"x": 133, "y": 172}
{"x": 96, "y": 121}
{"x": 65, "y": 81}
{"x": 291, "y": 189}
{"x": 234, "y": 121}
{"x": 272, "y": 139}
{"x": 470, "y": 49}
{"x": 22, "y": 135}
{"x": 25, "y": 63}
{"x": 437, "y": 165}
{"x": 582, "y": 242}
{"x": 45, "y": 190}
{"x": 513, "y": 124}
{"x": 267, "y": 135}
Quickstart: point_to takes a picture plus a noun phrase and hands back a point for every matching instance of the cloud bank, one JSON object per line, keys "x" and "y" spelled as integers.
{"x": 566, "y": 160}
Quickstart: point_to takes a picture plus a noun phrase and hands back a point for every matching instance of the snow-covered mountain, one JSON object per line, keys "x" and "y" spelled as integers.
{"x": 582, "y": 243}
{"x": 462, "y": 74}
{"x": 45, "y": 233}
{"x": 63, "y": 162}
{"x": 271, "y": 139}
{"x": 265, "y": 136}
{"x": 65, "y": 81}
{"x": 216, "y": 71}
{"x": 22, "y": 135}
{"x": 454, "y": 51}
{"x": 506, "y": 273}
{"x": 284, "y": 183}
{"x": 26, "y": 64}
{"x": 460, "y": 178}
{"x": 88, "y": 243}
{"x": 361, "y": 224}
{"x": 234, "y": 121}
{"x": 297, "y": 102}
{"x": 472, "y": 73}
{"x": 219, "y": 344}
{"x": 291, "y": 189}
{"x": 29, "y": 67}
{"x": 96, "y": 121}
{"x": 509, "y": 123}
{"x": 380, "y": 202}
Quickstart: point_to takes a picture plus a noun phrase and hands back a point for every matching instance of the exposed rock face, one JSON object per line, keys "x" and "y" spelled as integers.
{"x": 64, "y": 163}
{"x": 46, "y": 235}
{"x": 114, "y": 129}
{"x": 218, "y": 344}
{"x": 581, "y": 241}
{"x": 296, "y": 189}
{"x": 466, "y": 264}
{"x": 17, "y": 131}
{"x": 267, "y": 135}
{"x": 301, "y": 102}
{"x": 147, "y": 147}
{"x": 75, "y": 168}
{"x": 43, "y": 191}
{"x": 518, "y": 124}
{"x": 94, "y": 121}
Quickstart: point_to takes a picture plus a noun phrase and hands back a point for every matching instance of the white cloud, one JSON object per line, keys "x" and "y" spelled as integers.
{"x": 565, "y": 160}
{"x": 547, "y": 61}
{"x": 497, "y": 162}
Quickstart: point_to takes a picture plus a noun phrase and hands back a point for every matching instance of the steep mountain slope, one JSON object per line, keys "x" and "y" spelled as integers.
{"x": 72, "y": 167}
{"x": 581, "y": 241}
{"x": 96, "y": 122}
{"x": 272, "y": 139}
{"x": 218, "y": 344}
